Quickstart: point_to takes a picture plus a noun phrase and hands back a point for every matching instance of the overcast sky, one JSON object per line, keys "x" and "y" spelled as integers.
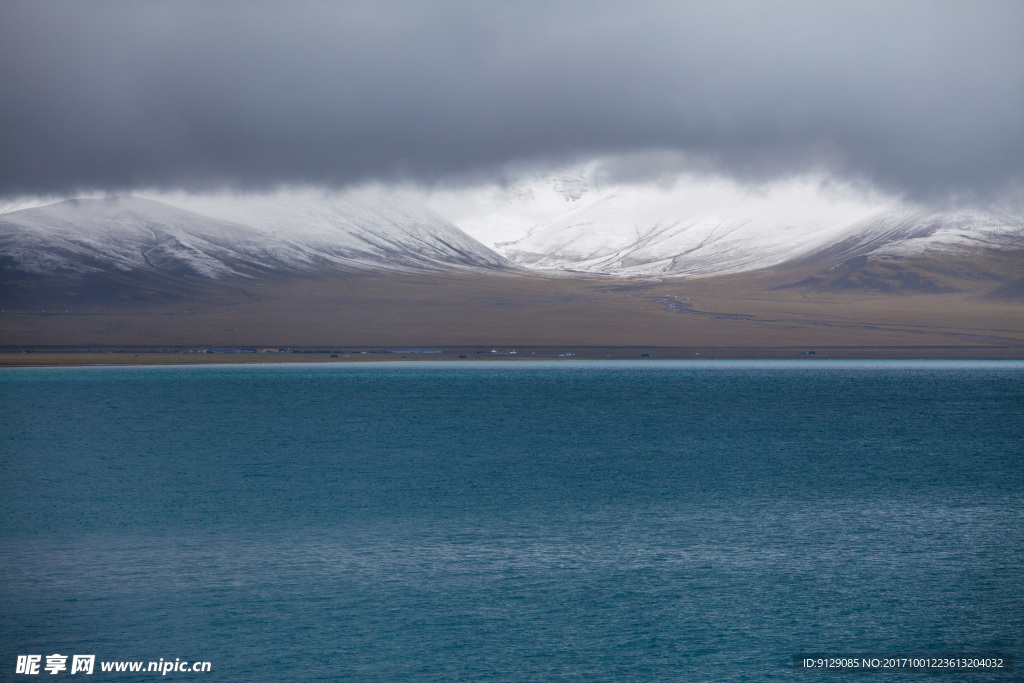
{"x": 920, "y": 99}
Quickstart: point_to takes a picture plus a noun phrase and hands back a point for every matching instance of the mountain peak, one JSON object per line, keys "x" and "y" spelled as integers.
{"x": 129, "y": 233}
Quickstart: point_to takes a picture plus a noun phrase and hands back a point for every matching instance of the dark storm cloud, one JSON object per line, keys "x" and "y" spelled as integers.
{"x": 919, "y": 97}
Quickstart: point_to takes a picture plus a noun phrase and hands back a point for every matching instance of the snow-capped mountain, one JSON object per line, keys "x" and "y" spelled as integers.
{"x": 602, "y": 238}
{"x": 131, "y": 234}
{"x": 568, "y": 224}
{"x": 921, "y": 251}
{"x": 626, "y": 232}
{"x": 581, "y": 221}
{"x": 916, "y": 233}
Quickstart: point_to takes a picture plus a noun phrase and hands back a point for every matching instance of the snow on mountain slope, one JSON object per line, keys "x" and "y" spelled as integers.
{"x": 567, "y": 223}
{"x": 246, "y": 237}
{"x": 694, "y": 227}
{"x": 356, "y": 229}
{"x": 497, "y": 215}
{"x": 915, "y": 232}
{"x": 689, "y": 230}
{"x": 908, "y": 250}
{"x": 124, "y": 233}
{"x": 601, "y": 238}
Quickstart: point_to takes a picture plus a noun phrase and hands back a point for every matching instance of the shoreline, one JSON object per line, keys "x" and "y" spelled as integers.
{"x": 57, "y": 357}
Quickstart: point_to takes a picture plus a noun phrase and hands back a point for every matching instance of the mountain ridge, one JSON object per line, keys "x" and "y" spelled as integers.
{"x": 128, "y": 233}
{"x": 127, "y": 239}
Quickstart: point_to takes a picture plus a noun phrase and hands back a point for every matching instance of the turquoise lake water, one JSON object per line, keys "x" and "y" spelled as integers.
{"x": 512, "y": 521}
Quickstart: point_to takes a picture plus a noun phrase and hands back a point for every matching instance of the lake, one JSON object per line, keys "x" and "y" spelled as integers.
{"x": 512, "y": 520}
